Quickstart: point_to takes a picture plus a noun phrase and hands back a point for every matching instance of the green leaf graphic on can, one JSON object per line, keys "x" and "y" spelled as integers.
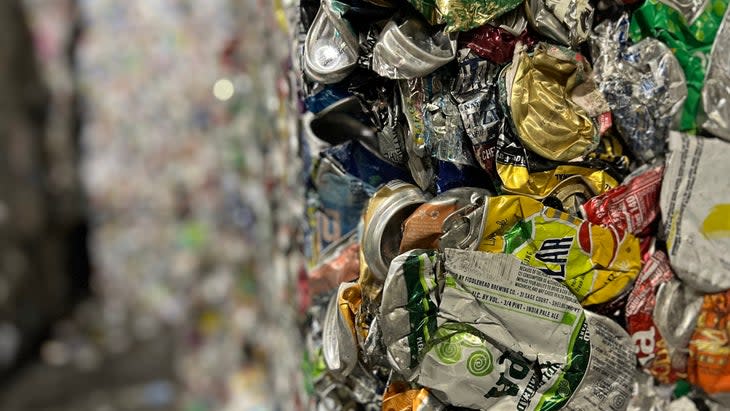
{"x": 479, "y": 363}
{"x": 449, "y": 352}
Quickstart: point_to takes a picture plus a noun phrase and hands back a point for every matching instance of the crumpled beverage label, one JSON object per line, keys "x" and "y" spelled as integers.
{"x": 592, "y": 261}
{"x": 457, "y": 324}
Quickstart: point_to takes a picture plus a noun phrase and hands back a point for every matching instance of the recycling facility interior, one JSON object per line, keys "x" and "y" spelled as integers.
{"x": 391, "y": 205}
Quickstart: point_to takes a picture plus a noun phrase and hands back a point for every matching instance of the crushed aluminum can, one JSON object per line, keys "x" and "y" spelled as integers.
{"x": 463, "y": 15}
{"x": 401, "y": 396}
{"x": 555, "y": 107}
{"x": 388, "y": 208}
{"x": 337, "y": 204}
{"x": 689, "y": 9}
{"x": 523, "y": 172}
{"x": 338, "y": 123}
{"x": 405, "y": 50}
{"x": 331, "y": 46}
{"x": 562, "y": 247}
{"x": 643, "y": 83}
{"x": 339, "y": 338}
{"x": 650, "y": 396}
{"x": 630, "y": 207}
{"x": 608, "y": 381}
{"x": 689, "y": 41}
{"x": 695, "y": 205}
{"x": 365, "y": 164}
{"x": 675, "y": 315}
{"x": 496, "y": 44}
{"x": 475, "y": 90}
{"x": 709, "y": 350}
{"x": 513, "y": 22}
{"x": 413, "y": 97}
{"x": 443, "y": 133}
{"x": 716, "y": 91}
{"x": 337, "y": 264}
{"x": 652, "y": 351}
{"x": 430, "y": 223}
{"x": 566, "y": 21}
{"x": 455, "y": 327}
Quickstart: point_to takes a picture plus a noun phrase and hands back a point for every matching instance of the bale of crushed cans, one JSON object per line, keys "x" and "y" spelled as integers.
{"x": 515, "y": 204}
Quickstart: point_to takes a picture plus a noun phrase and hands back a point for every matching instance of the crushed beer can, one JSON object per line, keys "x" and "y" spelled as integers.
{"x": 592, "y": 261}
{"x": 413, "y": 97}
{"x": 454, "y": 324}
{"x": 553, "y": 102}
{"x": 496, "y": 44}
{"x": 695, "y": 205}
{"x": 388, "y": 208}
{"x": 463, "y": 15}
{"x": 337, "y": 264}
{"x": 523, "y": 172}
{"x": 475, "y": 90}
{"x": 339, "y": 338}
{"x": 716, "y": 91}
{"x": 402, "y": 51}
{"x": 675, "y": 315}
{"x": 652, "y": 351}
{"x": 336, "y": 206}
{"x": 643, "y": 83}
{"x": 566, "y": 21}
{"x": 709, "y": 349}
{"x": 401, "y": 396}
{"x": 331, "y": 46}
{"x": 690, "y": 41}
{"x": 454, "y": 217}
{"x": 630, "y": 207}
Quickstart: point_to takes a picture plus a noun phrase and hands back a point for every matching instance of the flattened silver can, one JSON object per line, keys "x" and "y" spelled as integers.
{"x": 389, "y": 207}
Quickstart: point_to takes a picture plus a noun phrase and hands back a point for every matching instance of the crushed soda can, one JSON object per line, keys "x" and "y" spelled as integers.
{"x": 413, "y": 97}
{"x": 402, "y": 51}
{"x": 337, "y": 204}
{"x": 675, "y": 315}
{"x": 476, "y": 93}
{"x": 462, "y": 15}
{"x": 716, "y": 91}
{"x": 643, "y": 83}
{"x": 337, "y": 264}
{"x": 523, "y": 172}
{"x": 695, "y": 205}
{"x": 630, "y": 207}
{"x": 690, "y": 41}
{"x": 401, "y": 396}
{"x": 555, "y": 107}
{"x": 339, "y": 337}
{"x": 496, "y": 44}
{"x": 566, "y": 21}
{"x": 452, "y": 323}
{"x": 388, "y": 208}
{"x": 562, "y": 247}
{"x": 331, "y": 46}
{"x": 450, "y": 219}
{"x": 652, "y": 351}
{"x": 709, "y": 350}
